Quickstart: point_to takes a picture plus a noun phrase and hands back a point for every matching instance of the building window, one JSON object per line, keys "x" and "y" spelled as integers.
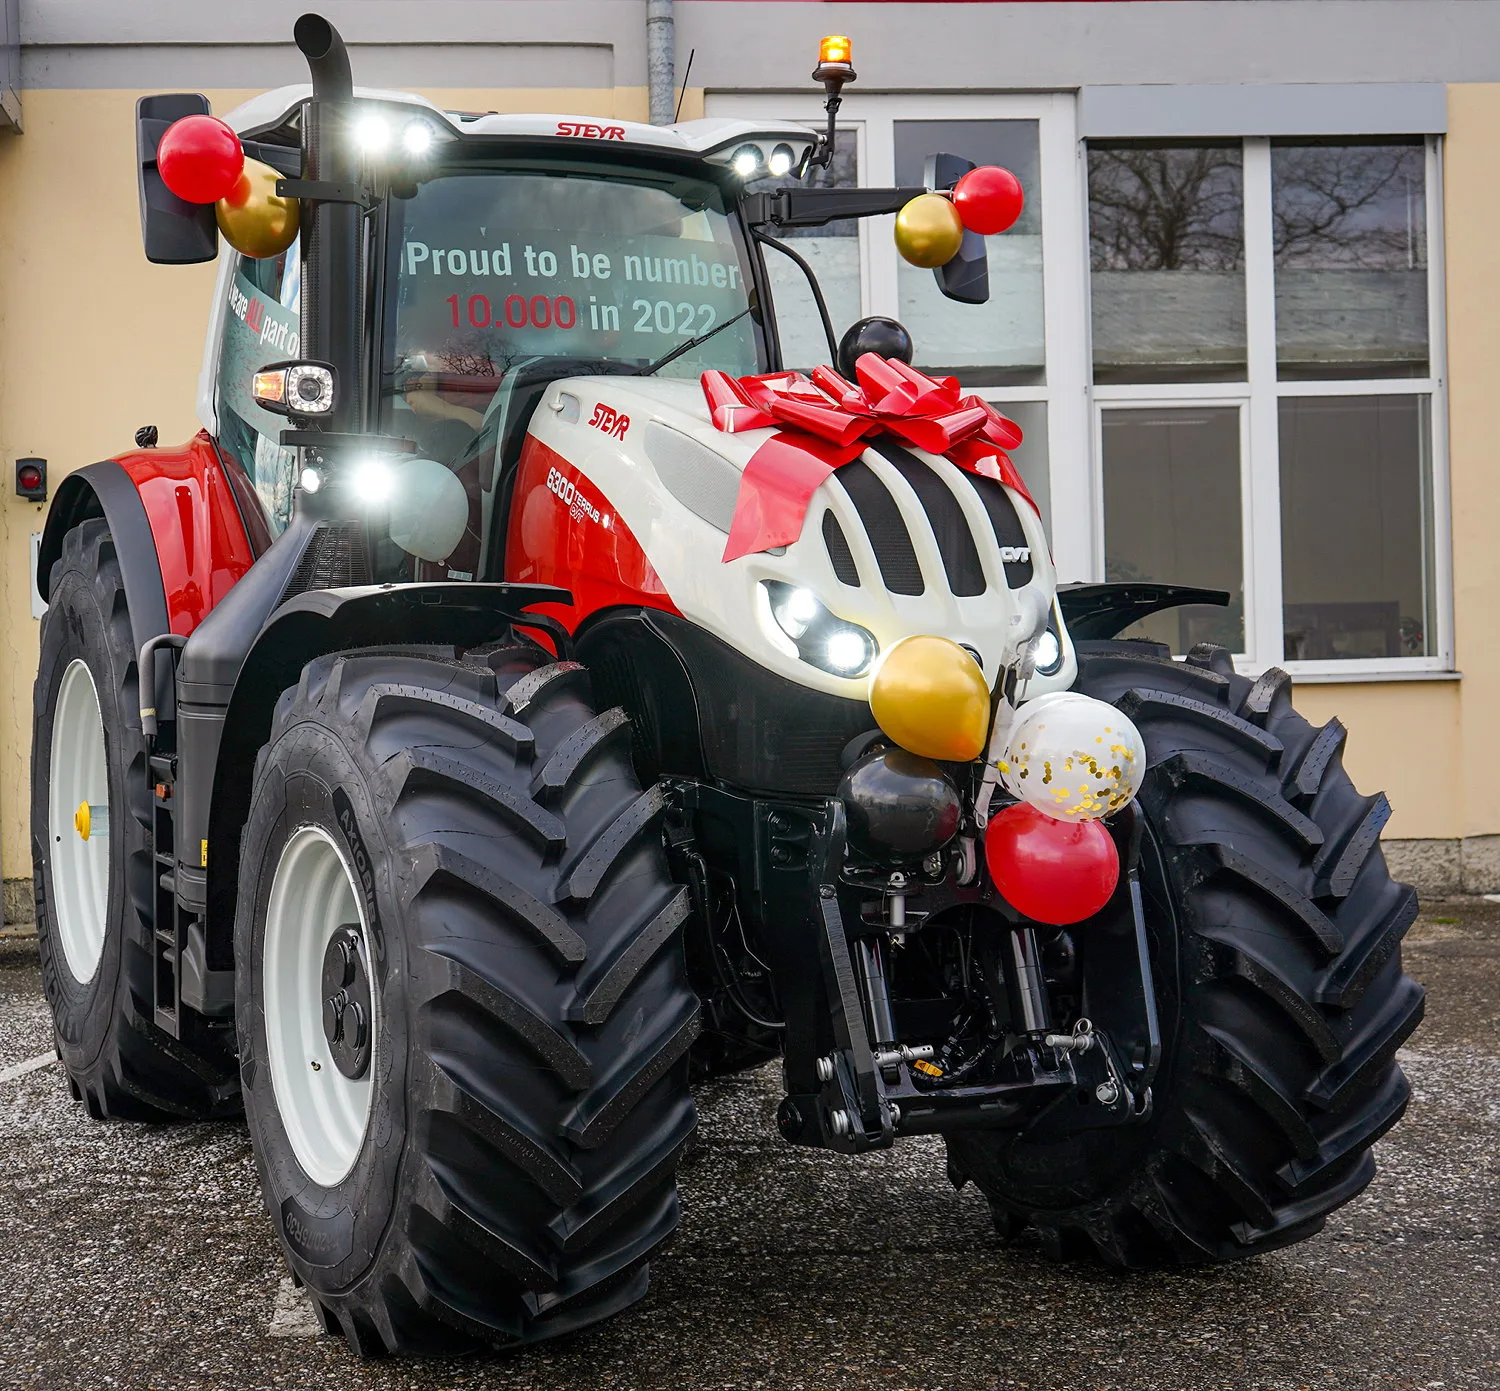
{"x": 1268, "y": 394}
{"x": 1167, "y": 255}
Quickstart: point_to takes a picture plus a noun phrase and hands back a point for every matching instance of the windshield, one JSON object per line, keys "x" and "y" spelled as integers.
{"x": 502, "y": 280}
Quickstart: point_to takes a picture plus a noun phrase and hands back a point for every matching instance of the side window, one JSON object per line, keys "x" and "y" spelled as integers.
{"x": 261, "y": 325}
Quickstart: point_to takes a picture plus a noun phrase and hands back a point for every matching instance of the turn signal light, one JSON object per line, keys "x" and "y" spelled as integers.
{"x": 294, "y": 388}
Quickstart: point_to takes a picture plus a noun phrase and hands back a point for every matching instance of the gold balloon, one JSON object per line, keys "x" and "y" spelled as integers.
{"x": 254, "y": 219}
{"x": 928, "y": 232}
{"x": 930, "y": 696}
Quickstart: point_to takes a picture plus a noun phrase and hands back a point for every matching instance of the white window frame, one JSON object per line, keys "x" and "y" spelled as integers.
{"x": 1261, "y": 393}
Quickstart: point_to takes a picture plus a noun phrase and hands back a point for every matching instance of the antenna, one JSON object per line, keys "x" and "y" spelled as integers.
{"x": 682, "y": 91}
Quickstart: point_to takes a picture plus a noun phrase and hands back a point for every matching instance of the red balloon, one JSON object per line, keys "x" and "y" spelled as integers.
{"x": 988, "y": 199}
{"x": 200, "y": 159}
{"x": 1052, "y": 871}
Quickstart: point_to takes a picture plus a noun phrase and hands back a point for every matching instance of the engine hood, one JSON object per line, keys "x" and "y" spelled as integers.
{"x": 899, "y": 542}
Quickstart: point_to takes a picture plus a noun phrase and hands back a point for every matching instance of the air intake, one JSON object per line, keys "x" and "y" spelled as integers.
{"x": 839, "y": 554}
{"x": 337, "y": 557}
{"x": 704, "y": 482}
{"x": 950, "y": 527}
{"x": 881, "y": 517}
{"x": 1006, "y": 524}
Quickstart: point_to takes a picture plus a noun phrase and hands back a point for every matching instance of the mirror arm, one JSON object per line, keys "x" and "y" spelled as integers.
{"x": 816, "y": 207}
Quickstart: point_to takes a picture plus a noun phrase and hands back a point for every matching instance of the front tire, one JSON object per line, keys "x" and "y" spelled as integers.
{"x": 501, "y": 1163}
{"x": 1275, "y": 932}
{"x": 94, "y": 895}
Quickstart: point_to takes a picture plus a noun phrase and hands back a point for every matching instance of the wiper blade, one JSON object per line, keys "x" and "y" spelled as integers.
{"x": 692, "y": 343}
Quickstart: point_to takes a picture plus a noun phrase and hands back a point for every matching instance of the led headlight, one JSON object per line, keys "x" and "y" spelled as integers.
{"x": 1047, "y": 653}
{"x": 416, "y": 137}
{"x": 747, "y": 161}
{"x": 294, "y": 388}
{"x": 781, "y": 161}
{"x": 829, "y": 643}
{"x": 372, "y": 133}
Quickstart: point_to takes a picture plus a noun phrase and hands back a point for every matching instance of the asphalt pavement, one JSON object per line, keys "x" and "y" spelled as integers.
{"x": 139, "y": 1256}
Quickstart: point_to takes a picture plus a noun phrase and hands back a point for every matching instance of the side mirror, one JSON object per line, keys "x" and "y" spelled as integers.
{"x": 175, "y": 233}
{"x": 966, "y": 278}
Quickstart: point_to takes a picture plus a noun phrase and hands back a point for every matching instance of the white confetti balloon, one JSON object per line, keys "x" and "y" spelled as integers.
{"x": 1073, "y": 757}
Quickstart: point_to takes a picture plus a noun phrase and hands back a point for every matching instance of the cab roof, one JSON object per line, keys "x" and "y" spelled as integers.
{"x": 704, "y": 138}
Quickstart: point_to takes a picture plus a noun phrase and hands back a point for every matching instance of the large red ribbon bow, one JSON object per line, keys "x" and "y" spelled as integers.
{"x": 825, "y": 421}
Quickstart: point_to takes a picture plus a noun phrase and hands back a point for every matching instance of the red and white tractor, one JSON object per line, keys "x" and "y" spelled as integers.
{"x": 523, "y": 698}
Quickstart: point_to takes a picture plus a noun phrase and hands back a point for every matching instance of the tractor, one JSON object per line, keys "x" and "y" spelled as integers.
{"x": 523, "y": 699}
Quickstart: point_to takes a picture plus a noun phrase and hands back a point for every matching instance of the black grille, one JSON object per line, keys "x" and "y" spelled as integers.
{"x": 336, "y": 558}
{"x": 1006, "y": 525}
{"x": 949, "y": 525}
{"x": 883, "y": 525}
{"x": 839, "y": 553}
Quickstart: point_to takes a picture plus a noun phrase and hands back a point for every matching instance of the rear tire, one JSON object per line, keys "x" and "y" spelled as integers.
{"x": 527, "y": 1095}
{"x": 94, "y": 898}
{"x": 1275, "y": 932}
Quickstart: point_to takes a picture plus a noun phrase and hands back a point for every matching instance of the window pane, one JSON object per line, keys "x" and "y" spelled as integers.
{"x": 1350, "y": 228}
{"x": 833, "y": 254}
{"x": 1356, "y": 547}
{"x": 1167, "y": 251}
{"x": 1172, "y": 514}
{"x": 271, "y": 292}
{"x": 999, "y": 343}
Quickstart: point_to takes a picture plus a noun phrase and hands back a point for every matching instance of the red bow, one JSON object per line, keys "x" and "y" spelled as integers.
{"x": 826, "y": 421}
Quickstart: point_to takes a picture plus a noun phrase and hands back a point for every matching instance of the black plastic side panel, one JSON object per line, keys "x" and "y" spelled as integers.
{"x": 631, "y": 664}
{"x": 105, "y": 490}
{"x": 760, "y": 731}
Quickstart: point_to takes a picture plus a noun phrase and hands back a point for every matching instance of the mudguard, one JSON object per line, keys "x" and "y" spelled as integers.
{"x": 1097, "y": 611}
{"x": 182, "y": 529}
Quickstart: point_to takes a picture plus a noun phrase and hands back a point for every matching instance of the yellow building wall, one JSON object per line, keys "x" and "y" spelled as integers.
{"x": 94, "y": 341}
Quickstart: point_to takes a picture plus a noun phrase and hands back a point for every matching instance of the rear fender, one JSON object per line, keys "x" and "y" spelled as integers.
{"x": 177, "y": 525}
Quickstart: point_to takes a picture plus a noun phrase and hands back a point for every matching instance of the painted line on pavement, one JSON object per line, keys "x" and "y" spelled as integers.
{"x": 42, "y": 1060}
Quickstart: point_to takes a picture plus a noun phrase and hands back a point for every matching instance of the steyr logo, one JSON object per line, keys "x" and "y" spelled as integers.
{"x": 608, "y": 419}
{"x": 1014, "y": 555}
{"x": 590, "y": 131}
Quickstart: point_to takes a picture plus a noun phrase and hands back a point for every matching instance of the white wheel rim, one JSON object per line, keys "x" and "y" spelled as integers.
{"x": 325, "y": 1114}
{"x": 80, "y": 868}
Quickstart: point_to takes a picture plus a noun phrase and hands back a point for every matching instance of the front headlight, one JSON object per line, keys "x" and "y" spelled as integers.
{"x": 829, "y": 643}
{"x": 1047, "y": 653}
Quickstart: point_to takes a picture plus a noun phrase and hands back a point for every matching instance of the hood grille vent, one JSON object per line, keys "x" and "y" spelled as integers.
{"x": 881, "y": 516}
{"x": 839, "y": 554}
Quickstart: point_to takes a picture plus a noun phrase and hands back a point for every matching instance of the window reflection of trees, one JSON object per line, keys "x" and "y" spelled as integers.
{"x": 1350, "y": 206}
{"x": 1166, "y": 208}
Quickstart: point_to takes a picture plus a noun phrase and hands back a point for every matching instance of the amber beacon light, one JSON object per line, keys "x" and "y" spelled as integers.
{"x": 835, "y": 68}
{"x": 835, "y": 58}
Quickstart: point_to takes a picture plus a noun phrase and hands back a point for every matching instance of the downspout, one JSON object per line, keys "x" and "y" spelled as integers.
{"x": 661, "y": 54}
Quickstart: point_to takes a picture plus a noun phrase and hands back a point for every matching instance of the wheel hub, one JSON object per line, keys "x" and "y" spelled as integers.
{"x": 346, "y": 1001}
